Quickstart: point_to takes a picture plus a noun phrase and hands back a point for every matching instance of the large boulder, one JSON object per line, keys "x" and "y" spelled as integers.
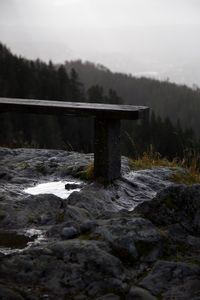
{"x": 173, "y": 280}
{"x": 176, "y": 213}
{"x": 67, "y": 268}
{"x": 175, "y": 204}
{"x": 131, "y": 238}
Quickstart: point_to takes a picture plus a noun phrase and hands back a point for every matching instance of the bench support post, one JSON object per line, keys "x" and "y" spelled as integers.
{"x": 107, "y": 155}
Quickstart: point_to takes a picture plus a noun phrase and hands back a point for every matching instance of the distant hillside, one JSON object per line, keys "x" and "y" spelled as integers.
{"x": 23, "y": 78}
{"x": 165, "y": 98}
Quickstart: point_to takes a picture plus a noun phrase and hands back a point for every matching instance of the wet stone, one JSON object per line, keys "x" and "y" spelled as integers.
{"x": 72, "y": 186}
{"x": 69, "y": 232}
{"x": 137, "y": 293}
{"x": 88, "y": 226}
{"x": 95, "y": 244}
{"x": 9, "y": 294}
{"x": 109, "y": 297}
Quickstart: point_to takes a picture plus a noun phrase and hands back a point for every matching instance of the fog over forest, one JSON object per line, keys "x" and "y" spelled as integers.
{"x": 143, "y": 37}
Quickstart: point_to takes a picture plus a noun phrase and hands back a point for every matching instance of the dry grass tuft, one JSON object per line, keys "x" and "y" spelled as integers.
{"x": 191, "y": 174}
{"x": 87, "y": 173}
{"x": 151, "y": 160}
{"x": 90, "y": 171}
{"x": 187, "y": 178}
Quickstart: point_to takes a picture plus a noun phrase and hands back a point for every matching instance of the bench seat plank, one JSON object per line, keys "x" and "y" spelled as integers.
{"x": 128, "y": 112}
{"x": 107, "y": 117}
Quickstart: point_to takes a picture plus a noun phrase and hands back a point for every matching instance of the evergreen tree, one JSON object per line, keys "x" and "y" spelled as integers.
{"x": 24, "y": 78}
{"x": 95, "y": 94}
{"x": 76, "y": 87}
{"x": 113, "y": 98}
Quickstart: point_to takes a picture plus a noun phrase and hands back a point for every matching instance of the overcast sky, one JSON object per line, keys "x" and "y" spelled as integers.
{"x": 125, "y": 35}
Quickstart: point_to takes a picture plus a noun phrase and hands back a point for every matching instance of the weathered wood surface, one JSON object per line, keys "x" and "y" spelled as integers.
{"x": 128, "y": 112}
{"x": 107, "y": 155}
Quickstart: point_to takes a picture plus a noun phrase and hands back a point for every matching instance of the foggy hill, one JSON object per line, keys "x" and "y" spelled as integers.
{"x": 23, "y": 78}
{"x": 165, "y": 98}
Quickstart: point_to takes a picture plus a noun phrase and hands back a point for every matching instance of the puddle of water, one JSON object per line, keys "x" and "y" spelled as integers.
{"x": 12, "y": 242}
{"x": 57, "y": 188}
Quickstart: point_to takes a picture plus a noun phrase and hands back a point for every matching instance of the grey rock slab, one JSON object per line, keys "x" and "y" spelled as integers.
{"x": 7, "y": 293}
{"x": 175, "y": 204}
{"x": 131, "y": 238}
{"x": 35, "y": 164}
{"x": 72, "y": 267}
{"x": 176, "y": 211}
{"x": 36, "y": 210}
{"x": 109, "y": 297}
{"x": 88, "y": 226}
{"x": 137, "y": 293}
{"x": 118, "y": 238}
{"x": 94, "y": 200}
{"x": 173, "y": 278}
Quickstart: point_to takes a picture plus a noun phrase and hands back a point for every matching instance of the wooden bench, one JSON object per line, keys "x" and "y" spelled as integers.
{"x": 107, "y": 156}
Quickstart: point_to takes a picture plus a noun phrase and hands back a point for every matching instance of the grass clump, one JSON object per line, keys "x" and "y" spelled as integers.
{"x": 151, "y": 160}
{"x": 23, "y": 165}
{"x": 87, "y": 173}
{"x": 60, "y": 217}
{"x": 40, "y": 168}
{"x": 188, "y": 168}
{"x": 188, "y": 177}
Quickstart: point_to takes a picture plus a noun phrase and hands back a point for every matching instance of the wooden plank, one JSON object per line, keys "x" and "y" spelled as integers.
{"x": 107, "y": 157}
{"x": 128, "y": 112}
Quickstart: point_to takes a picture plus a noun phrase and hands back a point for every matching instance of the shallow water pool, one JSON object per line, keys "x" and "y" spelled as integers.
{"x": 56, "y": 187}
{"x": 16, "y": 242}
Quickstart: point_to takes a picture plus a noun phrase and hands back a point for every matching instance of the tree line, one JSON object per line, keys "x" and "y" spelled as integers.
{"x": 23, "y": 78}
{"x": 166, "y": 99}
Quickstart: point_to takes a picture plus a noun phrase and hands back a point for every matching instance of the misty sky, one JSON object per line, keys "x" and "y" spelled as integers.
{"x": 133, "y": 36}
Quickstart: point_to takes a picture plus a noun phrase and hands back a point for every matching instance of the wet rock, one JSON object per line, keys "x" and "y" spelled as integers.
{"x": 80, "y": 297}
{"x": 88, "y": 226}
{"x": 137, "y": 293}
{"x": 193, "y": 241}
{"x": 69, "y": 233}
{"x": 92, "y": 200}
{"x": 5, "y": 176}
{"x": 72, "y": 267}
{"x": 35, "y": 210}
{"x": 173, "y": 279}
{"x": 175, "y": 204}
{"x": 131, "y": 238}
{"x": 109, "y": 297}
{"x": 6, "y": 293}
{"x": 3, "y": 215}
{"x": 176, "y": 212}
{"x": 98, "y": 243}
{"x": 72, "y": 186}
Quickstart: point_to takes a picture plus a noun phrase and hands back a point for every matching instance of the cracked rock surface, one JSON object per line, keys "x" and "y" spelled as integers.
{"x": 137, "y": 238}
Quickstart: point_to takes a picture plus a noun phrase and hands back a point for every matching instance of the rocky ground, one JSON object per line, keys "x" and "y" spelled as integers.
{"x": 138, "y": 238}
